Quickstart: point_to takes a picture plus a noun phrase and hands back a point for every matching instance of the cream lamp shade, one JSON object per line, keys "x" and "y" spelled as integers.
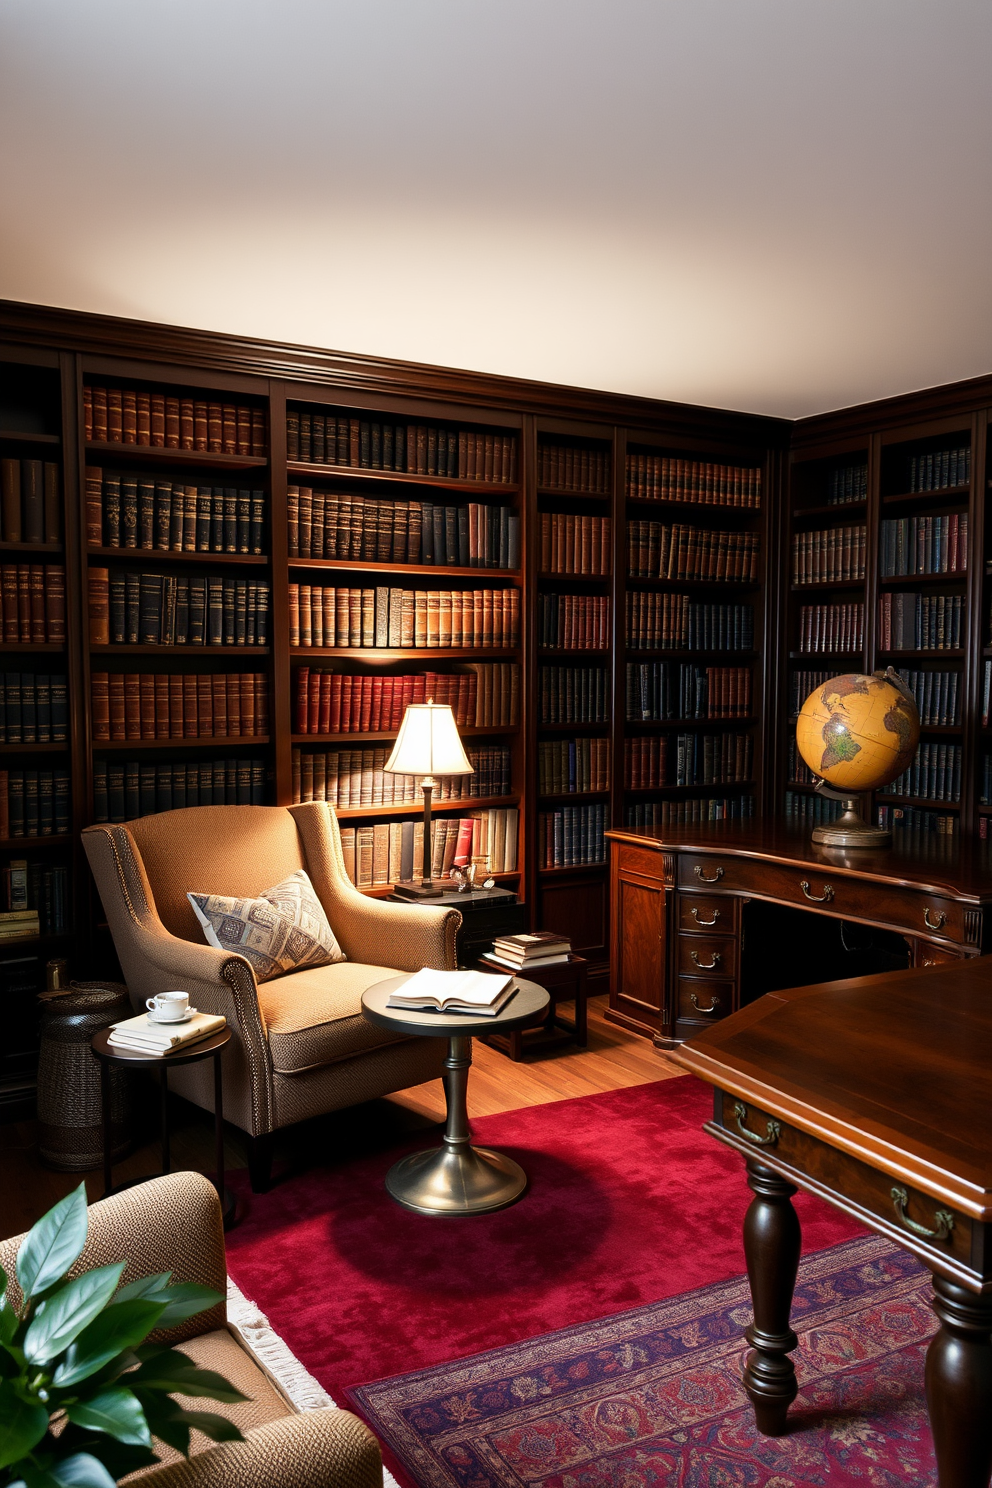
{"x": 428, "y": 743}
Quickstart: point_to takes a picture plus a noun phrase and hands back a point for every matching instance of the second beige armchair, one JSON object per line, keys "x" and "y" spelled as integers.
{"x": 301, "y": 1046}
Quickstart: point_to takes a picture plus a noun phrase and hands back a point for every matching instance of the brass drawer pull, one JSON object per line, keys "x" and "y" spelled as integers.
{"x": 695, "y": 915}
{"x": 773, "y": 1128}
{"x": 936, "y": 924}
{"x": 943, "y": 1219}
{"x": 824, "y": 898}
{"x": 714, "y": 1004}
{"x": 706, "y": 965}
{"x": 702, "y": 876}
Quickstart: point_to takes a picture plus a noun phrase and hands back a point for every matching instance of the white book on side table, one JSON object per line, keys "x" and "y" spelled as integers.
{"x": 453, "y": 992}
{"x": 149, "y": 1036}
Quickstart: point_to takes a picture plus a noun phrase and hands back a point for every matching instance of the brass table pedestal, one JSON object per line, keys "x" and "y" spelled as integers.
{"x": 456, "y": 1178}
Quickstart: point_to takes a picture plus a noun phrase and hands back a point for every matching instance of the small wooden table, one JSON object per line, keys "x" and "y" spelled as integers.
{"x": 564, "y": 981}
{"x": 208, "y": 1048}
{"x": 855, "y": 1091}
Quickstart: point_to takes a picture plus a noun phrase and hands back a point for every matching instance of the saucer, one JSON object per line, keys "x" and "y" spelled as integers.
{"x": 172, "y": 1022}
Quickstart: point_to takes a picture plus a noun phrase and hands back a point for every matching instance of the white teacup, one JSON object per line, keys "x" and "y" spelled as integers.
{"x": 168, "y": 1007}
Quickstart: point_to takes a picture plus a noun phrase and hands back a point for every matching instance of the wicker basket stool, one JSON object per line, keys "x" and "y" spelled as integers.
{"x": 70, "y": 1130}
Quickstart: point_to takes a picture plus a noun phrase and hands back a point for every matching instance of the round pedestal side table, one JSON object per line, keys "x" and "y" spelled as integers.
{"x": 209, "y": 1048}
{"x": 455, "y": 1178}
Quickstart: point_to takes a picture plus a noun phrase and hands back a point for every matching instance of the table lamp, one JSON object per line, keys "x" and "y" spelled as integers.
{"x": 427, "y": 745}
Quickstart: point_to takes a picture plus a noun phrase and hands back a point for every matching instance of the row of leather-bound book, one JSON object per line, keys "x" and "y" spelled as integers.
{"x": 351, "y": 527}
{"x": 30, "y": 501}
{"x": 393, "y": 852}
{"x": 128, "y": 608}
{"x": 687, "y": 759}
{"x": 32, "y": 602}
{"x": 413, "y": 449}
{"x": 125, "y": 789}
{"x": 34, "y": 708}
{"x": 173, "y": 705}
{"x": 357, "y": 777}
{"x": 128, "y": 510}
{"x": 391, "y": 617}
{"x": 161, "y": 420}
{"x": 484, "y": 694}
{"x": 660, "y": 691}
{"x": 34, "y": 803}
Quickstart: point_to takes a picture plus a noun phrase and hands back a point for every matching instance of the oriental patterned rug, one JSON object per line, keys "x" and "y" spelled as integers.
{"x": 653, "y": 1396}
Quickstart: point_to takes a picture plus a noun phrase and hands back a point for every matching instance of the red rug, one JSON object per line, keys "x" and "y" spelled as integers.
{"x": 629, "y": 1201}
{"x": 654, "y": 1396}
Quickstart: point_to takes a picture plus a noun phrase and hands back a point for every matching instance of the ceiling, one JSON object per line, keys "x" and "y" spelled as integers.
{"x": 781, "y": 206}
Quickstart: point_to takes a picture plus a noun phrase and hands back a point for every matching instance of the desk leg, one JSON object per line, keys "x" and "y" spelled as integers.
{"x": 959, "y": 1386}
{"x": 772, "y": 1243}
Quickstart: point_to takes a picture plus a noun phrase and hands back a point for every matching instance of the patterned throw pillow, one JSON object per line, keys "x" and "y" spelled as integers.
{"x": 284, "y": 929}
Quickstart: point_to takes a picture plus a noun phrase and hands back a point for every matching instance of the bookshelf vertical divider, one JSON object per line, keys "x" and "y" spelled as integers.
{"x": 282, "y": 703}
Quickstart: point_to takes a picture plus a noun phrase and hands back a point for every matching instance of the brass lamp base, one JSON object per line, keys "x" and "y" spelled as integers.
{"x": 456, "y": 1180}
{"x": 850, "y": 828}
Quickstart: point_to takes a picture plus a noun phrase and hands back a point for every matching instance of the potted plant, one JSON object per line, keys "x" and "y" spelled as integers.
{"x": 81, "y": 1392}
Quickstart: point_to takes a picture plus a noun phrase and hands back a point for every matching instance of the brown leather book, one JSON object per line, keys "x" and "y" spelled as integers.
{"x": 53, "y": 588}
{"x": 99, "y": 606}
{"x": 215, "y": 428}
{"x": 161, "y": 692}
{"x": 229, "y": 429}
{"x": 218, "y": 705}
{"x": 258, "y": 432}
{"x": 201, "y": 425}
{"x": 115, "y": 416}
{"x": 31, "y": 577}
{"x": 129, "y": 417}
{"x": 243, "y": 435}
{"x": 132, "y": 705}
{"x": 100, "y": 695}
{"x": 146, "y": 705}
{"x": 10, "y": 500}
{"x": 158, "y": 420}
{"x": 52, "y": 503}
{"x": 176, "y": 710}
{"x": 32, "y": 502}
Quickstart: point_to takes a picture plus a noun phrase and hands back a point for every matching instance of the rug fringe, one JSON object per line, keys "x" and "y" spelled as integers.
{"x": 274, "y": 1355}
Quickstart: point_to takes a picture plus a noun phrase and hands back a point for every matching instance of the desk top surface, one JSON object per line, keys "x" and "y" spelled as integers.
{"x": 895, "y": 1069}
{"x": 959, "y": 867}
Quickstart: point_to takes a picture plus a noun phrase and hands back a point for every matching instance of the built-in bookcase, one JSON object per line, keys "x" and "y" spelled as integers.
{"x": 694, "y": 554}
{"x": 916, "y": 490}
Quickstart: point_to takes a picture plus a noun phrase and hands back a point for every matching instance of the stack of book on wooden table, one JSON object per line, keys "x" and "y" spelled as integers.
{"x": 19, "y": 924}
{"x": 528, "y": 951}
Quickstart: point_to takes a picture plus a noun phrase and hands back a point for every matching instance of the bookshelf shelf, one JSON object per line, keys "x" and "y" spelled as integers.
{"x": 147, "y": 454}
{"x": 888, "y": 581}
{"x": 401, "y": 653}
{"x": 344, "y": 740}
{"x": 382, "y": 891}
{"x": 556, "y": 493}
{"x": 21, "y": 436}
{"x": 566, "y": 798}
{"x": 34, "y": 550}
{"x": 573, "y": 578}
{"x": 957, "y": 494}
{"x": 41, "y": 647}
{"x": 851, "y": 656}
{"x": 885, "y": 799}
{"x": 416, "y": 808}
{"x": 683, "y": 790}
{"x": 163, "y": 555}
{"x": 238, "y": 652}
{"x": 32, "y": 844}
{"x": 415, "y": 570}
{"x": 564, "y": 869}
{"x": 214, "y": 741}
{"x": 853, "y": 509}
{"x": 558, "y": 653}
{"x": 34, "y": 749}
{"x": 656, "y": 725}
{"x": 401, "y": 477}
{"x": 931, "y": 654}
{"x": 703, "y": 585}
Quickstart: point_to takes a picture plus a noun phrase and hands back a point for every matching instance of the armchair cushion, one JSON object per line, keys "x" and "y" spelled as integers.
{"x": 281, "y": 930}
{"x": 314, "y": 1017}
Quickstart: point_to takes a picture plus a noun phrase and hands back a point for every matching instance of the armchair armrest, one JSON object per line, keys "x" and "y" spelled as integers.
{"x": 316, "y": 1449}
{"x": 407, "y": 936}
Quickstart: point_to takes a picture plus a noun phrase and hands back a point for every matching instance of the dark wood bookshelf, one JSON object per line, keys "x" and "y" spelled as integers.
{"x": 403, "y": 653}
{"x": 33, "y": 550}
{"x": 34, "y": 748}
{"x": 238, "y": 652}
{"x": 29, "y": 845}
{"x": 20, "y": 436}
{"x": 414, "y": 570}
{"x": 214, "y": 741}
{"x": 153, "y": 454}
{"x": 416, "y": 808}
{"x": 402, "y": 477}
{"x": 169, "y": 555}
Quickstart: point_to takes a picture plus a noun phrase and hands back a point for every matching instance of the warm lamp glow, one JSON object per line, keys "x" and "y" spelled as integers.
{"x": 428, "y": 743}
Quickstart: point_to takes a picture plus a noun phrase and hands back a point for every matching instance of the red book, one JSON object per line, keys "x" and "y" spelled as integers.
{"x": 100, "y": 690}
{"x": 313, "y": 703}
{"x": 229, "y": 427}
{"x": 366, "y": 712}
{"x": 116, "y": 705}
{"x": 324, "y": 705}
{"x": 234, "y": 714}
{"x": 335, "y": 719}
{"x": 143, "y": 415}
{"x": 463, "y": 846}
{"x": 146, "y": 704}
{"x": 417, "y": 692}
{"x": 375, "y": 713}
{"x": 132, "y": 705}
{"x": 172, "y": 423}
{"x": 54, "y": 602}
{"x": 302, "y": 680}
{"x": 205, "y": 706}
{"x": 175, "y": 706}
{"x": 218, "y": 691}
{"x": 248, "y": 719}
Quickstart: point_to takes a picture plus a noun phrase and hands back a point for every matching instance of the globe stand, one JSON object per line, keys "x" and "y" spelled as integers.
{"x": 850, "y": 828}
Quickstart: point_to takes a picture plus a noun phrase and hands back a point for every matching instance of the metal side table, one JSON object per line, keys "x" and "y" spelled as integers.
{"x": 455, "y": 1178}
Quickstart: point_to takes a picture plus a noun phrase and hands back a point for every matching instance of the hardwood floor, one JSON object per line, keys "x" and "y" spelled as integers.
{"x": 613, "y": 1060}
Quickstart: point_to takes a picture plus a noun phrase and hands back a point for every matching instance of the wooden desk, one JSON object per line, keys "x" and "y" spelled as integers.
{"x": 853, "y": 1091}
{"x": 677, "y": 909}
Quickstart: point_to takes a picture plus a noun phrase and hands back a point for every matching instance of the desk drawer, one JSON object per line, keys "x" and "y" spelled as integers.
{"x": 702, "y": 913}
{"x": 818, "y": 888}
{"x": 846, "y": 1178}
{"x": 704, "y": 1002}
{"x": 707, "y": 956}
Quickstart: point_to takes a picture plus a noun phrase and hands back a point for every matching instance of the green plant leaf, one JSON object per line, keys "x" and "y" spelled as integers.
{"x": 185, "y": 1300}
{"x": 173, "y": 1371}
{"x": 120, "y": 1327}
{"x": 165, "y": 1421}
{"x": 49, "y": 1249}
{"x": 63, "y": 1315}
{"x": 114, "y": 1411}
{"x": 22, "y": 1424}
{"x": 145, "y": 1287}
{"x": 82, "y": 1470}
{"x": 218, "y": 1428}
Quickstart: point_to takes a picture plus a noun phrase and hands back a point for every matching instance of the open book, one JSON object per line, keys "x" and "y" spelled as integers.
{"x": 454, "y": 992}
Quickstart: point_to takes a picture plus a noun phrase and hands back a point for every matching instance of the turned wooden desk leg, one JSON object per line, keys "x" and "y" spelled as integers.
{"x": 772, "y": 1242}
{"x": 959, "y": 1386}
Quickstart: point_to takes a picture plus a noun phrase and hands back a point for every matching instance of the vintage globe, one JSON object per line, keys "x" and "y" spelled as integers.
{"x": 859, "y": 732}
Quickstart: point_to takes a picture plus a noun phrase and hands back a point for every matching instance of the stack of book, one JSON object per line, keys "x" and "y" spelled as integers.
{"x": 159, "y": 421}
{"x": 527, "y": 952}
{"x": 18, "y": 924}
{"x": 151, "y": 1037}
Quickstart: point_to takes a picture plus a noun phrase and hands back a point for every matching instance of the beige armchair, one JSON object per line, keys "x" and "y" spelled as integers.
{"x": 301, "y": 1046}
{"x": 174, "y": 1224}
